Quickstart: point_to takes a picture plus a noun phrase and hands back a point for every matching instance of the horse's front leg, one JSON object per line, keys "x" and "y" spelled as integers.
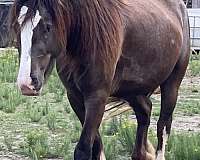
{"x": 94, "y": 109}
{"x": 77, "y": 104}
{"x": 76, "y": 100}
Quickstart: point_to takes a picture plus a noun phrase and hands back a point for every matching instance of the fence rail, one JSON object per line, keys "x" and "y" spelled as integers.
{"x": 6, "y": 2}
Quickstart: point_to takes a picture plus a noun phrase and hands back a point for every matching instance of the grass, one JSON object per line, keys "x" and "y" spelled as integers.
{"x": 194, "y": 65}
{"x": 46, "y": 126}
{"x": 184, "y": 146}
{"x": 51, "y": 121}
{"x": 36, "y": 144}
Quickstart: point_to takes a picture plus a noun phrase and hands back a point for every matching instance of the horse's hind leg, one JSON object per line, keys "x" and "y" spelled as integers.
{"x": 77, "y": 105}
{"x": 142, "y": 107}
{"x": 169, "y": 93}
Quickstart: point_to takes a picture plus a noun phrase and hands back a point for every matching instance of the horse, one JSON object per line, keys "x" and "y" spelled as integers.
{"x": 101, "y": 48}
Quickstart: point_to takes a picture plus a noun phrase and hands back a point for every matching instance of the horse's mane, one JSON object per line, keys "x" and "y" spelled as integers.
{"x": 83, "y": 27}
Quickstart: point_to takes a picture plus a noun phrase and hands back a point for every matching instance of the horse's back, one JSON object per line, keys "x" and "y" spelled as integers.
{"x": 173, "y": 9}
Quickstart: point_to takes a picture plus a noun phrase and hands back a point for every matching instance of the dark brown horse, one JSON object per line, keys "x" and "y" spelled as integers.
{"x": 106, "y": 48}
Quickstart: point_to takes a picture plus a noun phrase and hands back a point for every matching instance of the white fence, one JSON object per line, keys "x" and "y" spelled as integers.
{"x": 194, "y": 19}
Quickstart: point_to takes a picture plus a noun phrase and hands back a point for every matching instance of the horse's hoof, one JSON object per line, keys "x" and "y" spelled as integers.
{"x": 160, "y": 156}
{"x": 150, "y": 151}
{"x": 150, "y": 156}
{"x": 144, "y": 156}
{"x": 139, "y": 157}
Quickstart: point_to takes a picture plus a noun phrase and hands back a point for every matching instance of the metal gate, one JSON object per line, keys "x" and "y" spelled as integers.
{"x": 194, "y": 19}
{"x": 6, "y": 2}
{"x": 4, "y": 11}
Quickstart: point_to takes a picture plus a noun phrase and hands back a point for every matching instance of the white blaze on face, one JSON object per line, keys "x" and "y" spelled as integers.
{"x": 161, "y": 153}
{"x": 24, "y": 78}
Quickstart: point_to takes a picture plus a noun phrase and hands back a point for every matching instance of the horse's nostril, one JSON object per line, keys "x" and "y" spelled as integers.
{"x": 36, "y": 83}
{"x": 34, "y": 80}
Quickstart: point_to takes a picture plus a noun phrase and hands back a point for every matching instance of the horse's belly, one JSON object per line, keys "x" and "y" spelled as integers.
{"x": 139, "y": 80}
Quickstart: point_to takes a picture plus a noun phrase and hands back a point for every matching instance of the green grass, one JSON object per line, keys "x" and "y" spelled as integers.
{"x": 8, "y": 66}
{"x": 47, "y": 127}
{"x": 194, "y": 65}
{"x": 184, "y": 146}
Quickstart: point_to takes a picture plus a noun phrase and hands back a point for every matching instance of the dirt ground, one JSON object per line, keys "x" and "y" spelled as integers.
{"x": 183, "y": 122}
{"x": 12, "y": 156}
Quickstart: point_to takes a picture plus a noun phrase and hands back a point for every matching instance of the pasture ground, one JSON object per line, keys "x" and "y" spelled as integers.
{"x": 46, "y": 127}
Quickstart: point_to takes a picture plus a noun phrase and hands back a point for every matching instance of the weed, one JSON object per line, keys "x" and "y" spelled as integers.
{"x": 37, "y": 144}
{"x": 66, "y": 148}
{"x": 183, "y": 146}
{"x": 111, "y": 147}
{"x": 127, "y": 130}
{"x": 8, "y": 140}
{"x": 34, "y": 112}
{"x": 194, "y": 67}
{"x": 45, "y": 109}
{"x": 51, "y": 121}
{"x": 8, "y": 67}
{"x": 9, "y": 99}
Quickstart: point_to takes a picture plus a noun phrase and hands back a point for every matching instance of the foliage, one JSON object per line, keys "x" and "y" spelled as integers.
{"x": 37, "y": 144}
{"x": 183, "y": 146}
{"x": 34, "y": 112}
{"x": 194, "y": 65}
{"x": 51, "y": 121}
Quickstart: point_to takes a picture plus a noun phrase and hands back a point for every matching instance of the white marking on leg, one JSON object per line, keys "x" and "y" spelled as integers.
{"x": 150, "y": 151}
{"x": 102, "y": 156}
{"x": 161, "y": 153}
{"x": 26, "y": 44}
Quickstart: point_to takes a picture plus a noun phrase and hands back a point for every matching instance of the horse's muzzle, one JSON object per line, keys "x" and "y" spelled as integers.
{"x": 29, "y": 91}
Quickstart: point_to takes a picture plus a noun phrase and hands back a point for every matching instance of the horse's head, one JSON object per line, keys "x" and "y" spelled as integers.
{"x": 38, "y": 48}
